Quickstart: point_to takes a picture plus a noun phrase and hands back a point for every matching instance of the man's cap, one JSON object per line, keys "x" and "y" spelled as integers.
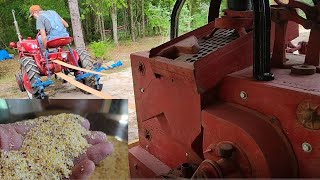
{"x": 34, "y": 8}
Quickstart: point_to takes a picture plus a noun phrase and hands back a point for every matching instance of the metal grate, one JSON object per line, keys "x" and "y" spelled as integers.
{"x": 219, "y": 39}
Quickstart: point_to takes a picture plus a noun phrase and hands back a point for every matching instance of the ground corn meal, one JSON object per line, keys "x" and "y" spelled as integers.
{"x": 48, "y": 149}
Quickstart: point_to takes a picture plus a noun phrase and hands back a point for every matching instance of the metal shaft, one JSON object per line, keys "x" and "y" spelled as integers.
{"x": 261, "y": 43}
{"x": 16, "y": 25}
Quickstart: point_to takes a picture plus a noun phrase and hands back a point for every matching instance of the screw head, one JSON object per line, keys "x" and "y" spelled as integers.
{"x": 142, "y": 90}
{"x": 306, "y": 147}
{"x": 243, "y": 95}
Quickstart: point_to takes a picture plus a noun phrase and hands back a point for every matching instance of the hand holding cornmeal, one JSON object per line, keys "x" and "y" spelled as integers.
{"x": 52, "y": 147}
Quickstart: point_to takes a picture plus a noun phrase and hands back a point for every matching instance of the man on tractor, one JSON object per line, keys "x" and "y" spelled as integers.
{"x": 49, "y": 23}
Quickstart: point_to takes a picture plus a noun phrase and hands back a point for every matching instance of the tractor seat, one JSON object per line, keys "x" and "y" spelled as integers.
{"x": 58, "y": 42}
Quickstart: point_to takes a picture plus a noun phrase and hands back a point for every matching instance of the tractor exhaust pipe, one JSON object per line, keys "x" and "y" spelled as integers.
{"x": 16, "y": 25}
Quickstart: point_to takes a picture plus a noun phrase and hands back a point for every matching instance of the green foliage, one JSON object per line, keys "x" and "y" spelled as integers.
{"x": 61, "y": 6}
{"x": 185, "y": 20}
{"x": 300, "y": 12}
{"x": 201, "y": 18}
{"x": 10, "y": 51}
{"x": 100, "y": 49}
{"x": 223, "y": 6}
{"x": 159, "y": 18}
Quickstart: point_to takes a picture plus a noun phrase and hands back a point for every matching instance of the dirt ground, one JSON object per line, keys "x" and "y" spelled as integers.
{"x": 118, "y": 83}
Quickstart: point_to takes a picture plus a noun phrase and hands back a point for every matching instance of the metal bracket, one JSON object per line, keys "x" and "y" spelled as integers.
{"x": 42, "y": 85}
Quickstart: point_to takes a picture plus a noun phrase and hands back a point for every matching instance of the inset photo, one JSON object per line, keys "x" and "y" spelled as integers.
{"x": 63, "y": 139}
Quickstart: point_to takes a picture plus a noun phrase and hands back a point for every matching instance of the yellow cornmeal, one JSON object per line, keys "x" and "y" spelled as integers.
{"x": 116, "y": 166}
{"x": 48, "y": 149}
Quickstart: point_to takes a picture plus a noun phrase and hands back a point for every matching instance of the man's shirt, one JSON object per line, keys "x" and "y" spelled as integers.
{"x": 43, "y": 23}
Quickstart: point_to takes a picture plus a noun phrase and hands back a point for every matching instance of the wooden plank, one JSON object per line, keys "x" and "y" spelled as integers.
{"x": 77, "y": 68}
{"x": 83, "y": 87}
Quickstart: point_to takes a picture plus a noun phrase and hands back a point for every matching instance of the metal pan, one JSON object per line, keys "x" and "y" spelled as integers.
{"x": 108, "y": 116}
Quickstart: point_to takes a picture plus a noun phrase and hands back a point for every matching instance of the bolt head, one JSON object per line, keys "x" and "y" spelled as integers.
{"x": 226, "y": 150}
{"x": 306, "y": 147}
{"x": 142, "y": 90}
{"x": 243, "y": 95}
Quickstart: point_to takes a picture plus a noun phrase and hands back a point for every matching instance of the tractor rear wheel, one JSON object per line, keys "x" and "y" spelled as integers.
{"x": 30, "y": 73}
{"x": 86, "y": 62}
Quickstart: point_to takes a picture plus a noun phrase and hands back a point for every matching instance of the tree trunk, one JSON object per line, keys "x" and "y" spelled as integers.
{"x": 76, "y": 24}
{"x": 103, "y": 35}
{"x": 99, "y": 26}
{"x": 131, "y": 21}
{"x": 114, "y": 23}
{"x": 139, "y": 29}
{"x": 143, "y": 18}
{"x": 103, "y": 28}
{"x": 125, "y": 20}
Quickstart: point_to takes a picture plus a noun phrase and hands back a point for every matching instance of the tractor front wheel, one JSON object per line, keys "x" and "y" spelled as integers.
{"x": 30, "y": 73}
{"x": 86, "y": 62}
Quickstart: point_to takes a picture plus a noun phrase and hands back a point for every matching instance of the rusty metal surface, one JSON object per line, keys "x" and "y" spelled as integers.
{"x": 308, "y": 114}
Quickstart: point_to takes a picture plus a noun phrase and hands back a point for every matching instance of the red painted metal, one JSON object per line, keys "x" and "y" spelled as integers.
{"x": 26, "y": 82}
{"x": 246, "y": 129}
{"x": 58, "y": 42}
{"x": 280, "y": 98}
{"x": 12, "y": 45}
{"x": 182, "y": 111}
{"x": 145, "y": 165}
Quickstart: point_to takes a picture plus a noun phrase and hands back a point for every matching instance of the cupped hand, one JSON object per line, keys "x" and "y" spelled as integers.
{"x": 12, "y": 135}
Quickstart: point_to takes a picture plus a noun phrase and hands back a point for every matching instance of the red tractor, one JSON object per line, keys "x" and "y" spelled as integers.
{"x": 34, "y": 63}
